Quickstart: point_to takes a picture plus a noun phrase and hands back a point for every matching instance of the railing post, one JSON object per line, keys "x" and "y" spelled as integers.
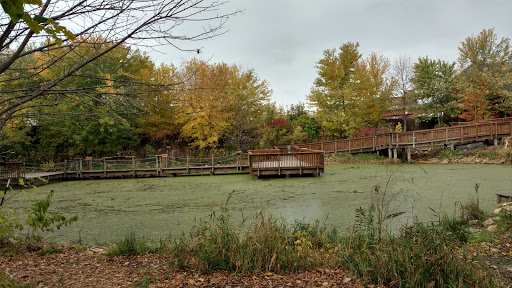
{"x": 105, "y": 167}
{"x": 188, "y": 161}
{"x": 213, "y": 169}
{"x": 349, "y": 146}
{"x": 279, "y": 163}
{"x": 164, "y": 160}
{"x": 259, "y": 160}
{"x": 238, "y": 160}
{"x": 461, "y": 135}
{"x": 81, "y": 168}
{"x": 249, "y": 161}
{"x": 133, "y": 166}
{"x": 300, "y": 166}
{"x": 88, "y": 161}
{"x": 65, "y": 166}
{"x": 413, "y": 139}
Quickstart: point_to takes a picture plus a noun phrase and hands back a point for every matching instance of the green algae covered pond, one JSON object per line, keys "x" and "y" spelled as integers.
{"x": 158, "y": 207}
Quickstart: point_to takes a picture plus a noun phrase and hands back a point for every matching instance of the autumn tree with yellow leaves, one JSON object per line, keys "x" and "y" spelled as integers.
{"x": 350, "y": 93}
{"x": 219, "y": 101}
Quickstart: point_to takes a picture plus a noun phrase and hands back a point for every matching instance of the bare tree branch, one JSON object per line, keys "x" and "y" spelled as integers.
{"x": 124, "y": 22}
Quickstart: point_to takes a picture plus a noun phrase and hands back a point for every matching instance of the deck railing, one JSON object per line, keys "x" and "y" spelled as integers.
{"x": 279, "y": 161}
{"x": 460, "y": 134}
{"x": 11, "y": 170}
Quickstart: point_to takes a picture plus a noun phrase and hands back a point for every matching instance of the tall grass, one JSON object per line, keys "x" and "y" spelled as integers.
{"x": 129, "y": 245}
{"x": 422, "y": 255}
{"x": 268, "y": 245}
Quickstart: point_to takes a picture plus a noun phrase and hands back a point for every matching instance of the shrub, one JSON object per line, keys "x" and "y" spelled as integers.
{"x": 449, "y": 153}
{"x": 38, "y": 218}
{"x": 49, "y": 166}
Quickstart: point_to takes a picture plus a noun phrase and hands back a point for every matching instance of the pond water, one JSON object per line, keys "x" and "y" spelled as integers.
{"x": 158, "y": 207}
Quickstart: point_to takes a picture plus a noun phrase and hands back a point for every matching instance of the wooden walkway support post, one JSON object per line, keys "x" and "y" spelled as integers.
{"x": 163, "y": 163}
{"x": 88, "y": 161}
{"x": 238, "y": 155}
{"x": 105, "y": 167}
{"x": 212, "y": 172}
{"x": 133, "y": 166}
{"x": 80, "y": 163}
{"x": 188, "y": 159}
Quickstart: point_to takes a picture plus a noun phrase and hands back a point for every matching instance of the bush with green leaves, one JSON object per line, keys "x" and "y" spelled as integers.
{"x": 449, "y": 153}
{"x": 37, "y": 217}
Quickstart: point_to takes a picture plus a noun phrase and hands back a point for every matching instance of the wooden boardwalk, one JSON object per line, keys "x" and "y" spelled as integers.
{"x": 124, "y": 167}
{"x": 304, "y": 159}
{"x": 455, "y": 135}
{"x": 258, "y": 162}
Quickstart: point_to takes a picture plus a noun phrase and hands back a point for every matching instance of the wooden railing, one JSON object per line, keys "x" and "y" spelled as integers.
{"x": 279, "y": 161}
{"x": 459, "y": 134}
{"x": 11, "y": 170}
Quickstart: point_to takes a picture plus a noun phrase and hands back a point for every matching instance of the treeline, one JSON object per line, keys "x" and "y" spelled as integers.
{"x": 352, "y": 92}
{"x": 123, "y": 103}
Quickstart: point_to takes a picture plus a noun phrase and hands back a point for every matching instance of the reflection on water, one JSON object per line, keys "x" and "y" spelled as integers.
{"x": 157, "y": 207}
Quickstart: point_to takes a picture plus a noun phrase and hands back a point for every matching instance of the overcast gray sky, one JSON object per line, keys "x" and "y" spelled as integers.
{"x": 283, "y": 39}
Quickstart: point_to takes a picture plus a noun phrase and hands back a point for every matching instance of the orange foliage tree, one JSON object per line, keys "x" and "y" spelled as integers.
{"x": 474, "y": 104}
